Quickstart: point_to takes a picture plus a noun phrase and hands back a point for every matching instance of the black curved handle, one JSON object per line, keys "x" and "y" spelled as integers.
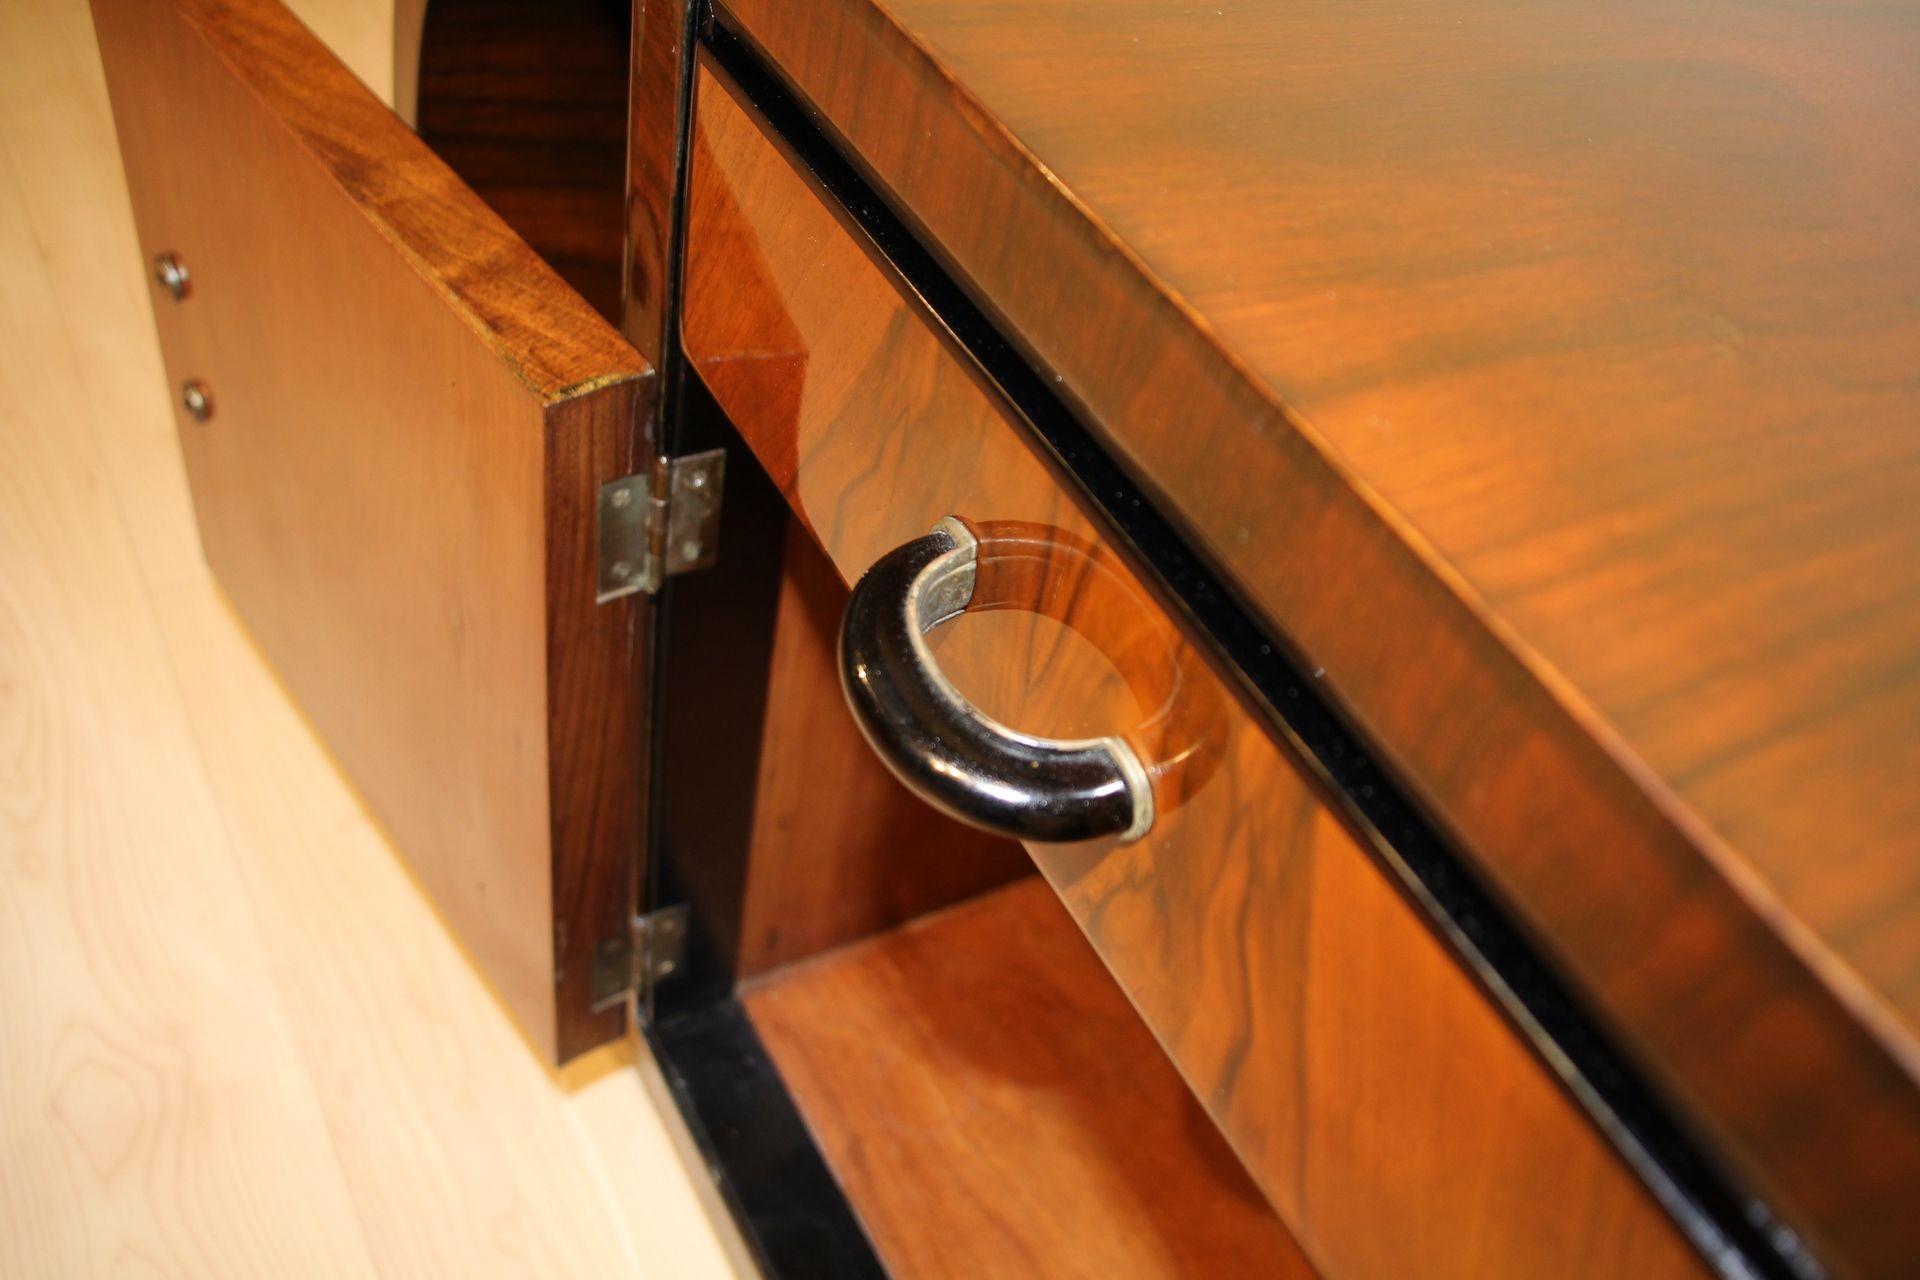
{"x": 939, "y": 744}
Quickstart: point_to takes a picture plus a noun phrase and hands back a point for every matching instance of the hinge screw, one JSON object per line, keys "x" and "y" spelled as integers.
{"x": 172, "y": 275}
{"x": 621, "y": 498}
{"x": 622, "y": 570}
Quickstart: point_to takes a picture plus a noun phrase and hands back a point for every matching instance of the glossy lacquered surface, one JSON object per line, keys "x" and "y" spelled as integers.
{"x": 411, "y": 418}
{"x": 656, "y": 97}
{"x": 1395, "y": 1121}
{"x": 1545, "y": 373}
{"x": 530, "y": 108}
{"x": 993, "y": 1107}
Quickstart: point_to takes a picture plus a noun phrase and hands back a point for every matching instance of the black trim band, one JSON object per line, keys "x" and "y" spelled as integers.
{"x": 1735, "y": 1232}
{"x": 789, "y": 1208}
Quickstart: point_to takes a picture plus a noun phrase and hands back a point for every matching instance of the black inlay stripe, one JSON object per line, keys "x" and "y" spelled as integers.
{"x": 782, "y": 1194}
{"x": 1734, "y": 1231}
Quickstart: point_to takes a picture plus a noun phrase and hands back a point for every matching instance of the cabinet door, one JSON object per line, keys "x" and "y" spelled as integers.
{"x": 396, "y": 421}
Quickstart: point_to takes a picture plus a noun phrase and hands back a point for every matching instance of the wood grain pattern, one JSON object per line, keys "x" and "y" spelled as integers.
{"x": 993, "y": 1107}
{"x": 656, "y": 102}
{"x": 436, "y": 1120}
{"x": 1544, "y": 373}
{"x": 234, "y": 1040}
{"x": 150, "y": 1082}
{"x": 825, "y": 864}
{"x": 412, "y": 417}
{"x": 1397, "y": 1123}
{"x": 529, "y": 107}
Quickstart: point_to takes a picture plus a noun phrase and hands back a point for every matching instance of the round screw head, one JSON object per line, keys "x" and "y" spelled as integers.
{"x": 197, "y": 400}
{"x": 621, "y": 497}
{"x": 172, "y": 275}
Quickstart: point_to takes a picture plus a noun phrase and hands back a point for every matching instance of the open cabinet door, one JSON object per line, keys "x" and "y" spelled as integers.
{"x": 397, "y": 421}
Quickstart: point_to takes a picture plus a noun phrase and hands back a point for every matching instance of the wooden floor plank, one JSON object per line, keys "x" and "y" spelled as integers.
{"x": 156, "y": 1111}
{"x": 59, "y": 135}
{"x": 471, "y": 1163}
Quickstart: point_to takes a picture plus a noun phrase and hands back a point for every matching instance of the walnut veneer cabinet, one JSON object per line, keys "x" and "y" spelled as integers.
{"x": 1135, "y": 638}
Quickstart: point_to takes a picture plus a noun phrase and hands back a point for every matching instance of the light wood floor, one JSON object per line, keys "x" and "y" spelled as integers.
{"x": 234, "y": 1039}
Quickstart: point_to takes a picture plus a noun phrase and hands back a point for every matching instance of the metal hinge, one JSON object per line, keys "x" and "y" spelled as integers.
{"x": 659, "y": 522}
{"x": 650, "y": 953}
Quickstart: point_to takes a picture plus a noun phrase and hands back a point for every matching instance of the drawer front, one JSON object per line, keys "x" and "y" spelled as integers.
{"x": 406, "y": 419}
{"x": 1395, "y": 1120}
